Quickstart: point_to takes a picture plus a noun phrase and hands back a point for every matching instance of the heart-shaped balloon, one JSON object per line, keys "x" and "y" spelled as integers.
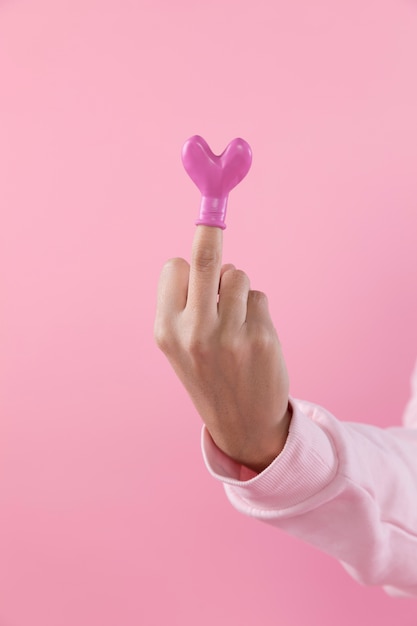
{"x": 215, "y": 175}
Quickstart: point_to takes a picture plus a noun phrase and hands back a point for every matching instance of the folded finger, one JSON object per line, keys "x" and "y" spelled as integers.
{"x": 233, "y": 297}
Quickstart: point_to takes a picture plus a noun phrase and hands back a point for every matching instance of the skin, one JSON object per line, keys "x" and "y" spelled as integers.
{"x": 218, "y": 335}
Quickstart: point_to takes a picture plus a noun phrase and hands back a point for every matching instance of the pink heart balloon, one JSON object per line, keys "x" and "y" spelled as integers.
{"x": 215, "y": 175}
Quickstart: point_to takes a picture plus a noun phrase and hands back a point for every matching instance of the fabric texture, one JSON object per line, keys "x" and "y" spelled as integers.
{"x": 349, "y": 489}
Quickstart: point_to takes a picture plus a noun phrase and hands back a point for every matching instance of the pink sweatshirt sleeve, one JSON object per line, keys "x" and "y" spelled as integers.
{"x": 349, "y": 489}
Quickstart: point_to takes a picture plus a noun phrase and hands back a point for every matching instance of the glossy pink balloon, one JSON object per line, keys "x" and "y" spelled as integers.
{"x": 215, "y": 175}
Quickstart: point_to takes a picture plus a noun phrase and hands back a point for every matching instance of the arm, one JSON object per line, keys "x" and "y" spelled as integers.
{"x": 349, "y": 489}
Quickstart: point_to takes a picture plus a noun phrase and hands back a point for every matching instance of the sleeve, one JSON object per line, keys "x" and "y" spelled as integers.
{"x": 349, "y": 489}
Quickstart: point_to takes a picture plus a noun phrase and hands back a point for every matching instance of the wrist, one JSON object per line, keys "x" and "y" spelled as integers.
{"x": 267, "y": 451}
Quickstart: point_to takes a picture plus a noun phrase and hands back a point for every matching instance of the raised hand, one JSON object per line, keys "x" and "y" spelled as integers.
{"x": 216, "y": 332}
{"x": 219, "y": 338}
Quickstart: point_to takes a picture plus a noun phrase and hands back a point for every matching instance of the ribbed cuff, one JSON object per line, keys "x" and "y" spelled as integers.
{"x": 306, "y": 465}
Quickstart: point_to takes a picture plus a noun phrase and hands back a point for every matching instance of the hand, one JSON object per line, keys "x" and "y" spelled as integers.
{"x": 219, "y": 338}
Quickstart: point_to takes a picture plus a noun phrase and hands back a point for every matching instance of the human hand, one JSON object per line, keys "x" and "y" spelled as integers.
{"x": 218, "y": 335}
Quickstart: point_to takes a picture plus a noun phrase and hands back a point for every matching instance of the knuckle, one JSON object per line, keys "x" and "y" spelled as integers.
{"x": 174, "y": 264}
{"x": 201, "y": 342}
{"x": 258, "y": 297}
{"x": 229, "y": 343}
{"x": 205, "y": 258}
{"x": 240, "y": 275}
{"x": 262, "y": 340}
{"x": 238, "y": 278}
{"x": 163, "y": 336}
{"x": 197, "y": 347}
{"x": 236, "y": 284}
{"x": 227, "y": 267}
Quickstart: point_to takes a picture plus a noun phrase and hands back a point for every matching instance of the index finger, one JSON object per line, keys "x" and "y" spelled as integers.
{"x": 205, "y": 267}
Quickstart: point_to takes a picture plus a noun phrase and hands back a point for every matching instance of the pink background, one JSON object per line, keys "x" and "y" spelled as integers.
{"x": 107, "y": 513}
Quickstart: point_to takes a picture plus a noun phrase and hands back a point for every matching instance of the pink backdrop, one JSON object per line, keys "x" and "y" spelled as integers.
{"x": 107, "y": 514}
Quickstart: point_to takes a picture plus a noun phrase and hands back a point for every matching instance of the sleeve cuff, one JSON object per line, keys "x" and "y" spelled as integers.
{"x": 306, "y": 465}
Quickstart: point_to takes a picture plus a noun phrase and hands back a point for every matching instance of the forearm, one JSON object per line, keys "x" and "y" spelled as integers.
{"x": 346, "y": 488}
